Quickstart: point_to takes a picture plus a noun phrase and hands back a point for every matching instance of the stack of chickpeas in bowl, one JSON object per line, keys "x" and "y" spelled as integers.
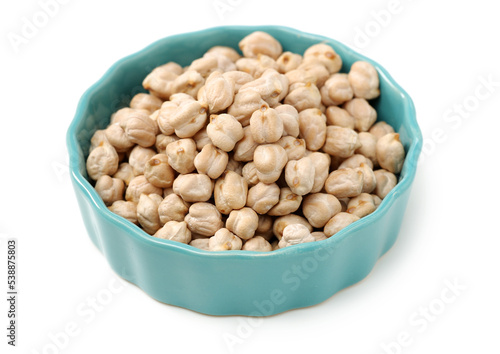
{"x": 256, "y": 152}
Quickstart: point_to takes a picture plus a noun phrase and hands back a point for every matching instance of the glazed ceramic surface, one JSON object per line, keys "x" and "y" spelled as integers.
{"x": 235, "y": 282}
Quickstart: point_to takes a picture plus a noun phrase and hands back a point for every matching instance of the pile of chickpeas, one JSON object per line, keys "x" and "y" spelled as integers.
{"x": 255, "y": 152}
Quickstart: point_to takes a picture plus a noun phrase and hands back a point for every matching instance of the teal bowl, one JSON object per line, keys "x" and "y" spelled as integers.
{"x": 235, "y": 282}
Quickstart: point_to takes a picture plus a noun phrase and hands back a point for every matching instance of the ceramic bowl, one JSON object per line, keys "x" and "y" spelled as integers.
{"x": 235, "y": 282}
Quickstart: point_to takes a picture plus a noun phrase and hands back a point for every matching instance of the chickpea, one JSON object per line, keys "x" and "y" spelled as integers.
{"x": 163, "y": 140}
{"x": 341, "y": 142}
{"x": 386, "y": 181}
{"x": 339, "y": 116}
{"x": 290, "y": 118}
{"x": 235, "y": 166}
{"x": 127, "y": 210}
{"x": 160, "y": 81}
{"x": 321, "y": 163}
{"x": 224, "y": 240}
{"x": 237, "y": 79}
{"x": 245, "y": 103}
{"x": 224, "y": 131}
{"x": 245, "y": 148}
{"x": 295, "y": 148}
{"x": 140, "y": 129}
{"x": 201, "y": 138}
{"x": 205, "y": 65}
{"x": 230, "y": 192}
{"x": 294, "y": 234}
{"x": 257, "y": 243}
{"x": 174, "y": 231}
{"x": 147, "y": 212}
{"x": 204, "y": 219}
{"x": 158, "y": 172}
{"x": 364, "y": 80}
{"x": 228, "y": 52}
{"x": 243, "y": 223}
{"x": 271, "y": 86}
{"x": 172, "y": 208}
{"x": 288, "y": 203}
{"x": 265, "y": 227}
{"x": 163, "y": 120}
{"x": 301, "y": 76}
{"x": 368, "y": 147}
{"x": 138, "y": 158}
{"x": 193, "y": 187}
{"x": 219, "y": 92}
{"x": 312, "y": 123}
{"x": 146, "y": 101}
{"x": 288, "y": 61}
{"x": 266, "y": 125}
{"x": 140, "y": 185}
{"x": 283, "y": 221}
{"x": 262, "y": 197}
{"x": 336, "y": 90}
{"x": 125, "y": 172}
{"x": 256, "y": 66}
{"x": 117, "y": 137}
{"x": 318, "y": 236}
{"x": 326, "y": 55}
{"x": 318, "y": 208}
{"x": 188, "y": 82}
{"x": 369, "y": 180}
{"x": 344, "y": 183}
{"x": 269, "y": 160}
{"x": 260, "y": 43}
{"x": 201, "y": 243}
{"x": 315, "y": 69}
{"x": 364, "y": 114}
{"x": 109, "y": 189}
{"x": 98, "y": 139}
{"x": 181, "y": 155}
{"x": 376, "y": 200}
{"x": 211, "y": 161}
{"x": 249, "y": 173}
{"x": 361, "y": 205}
{"x": 303, "y": 96}
{"x": 299, "y": 175}
{"x": 380, "y": 129}
{"x": 354, "y": 161}
{"x": 102, "y": 160}
{"x": 390, "y": 153}
{"x": 338, "y": 222}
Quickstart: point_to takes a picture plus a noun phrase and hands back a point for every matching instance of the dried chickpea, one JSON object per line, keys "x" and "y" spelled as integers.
{"x": 201, "y": 138}
{"x": 361, "y": 205}
{"x": 249, "y": 173}
{"x": 243, "y": 223}
{"x": 344, "y": 183}
{"x": 290, "y": 118}
{"x": 324, "y": 54}
{"x": 376, "y": 200}
{"x": 147, "y": 212}
{"x": 244, "y": 104}
{"x": 257, "y": 243}
{"x": 265, "y": 227}
{"x": 219, "y": 92}
{"x": 224, "y": 240}
{"x": 295, "y": 148}
{"x": 160, "y": 81}
{"x": 174, "y": 231}
{"x": 386, "y": 181}
{"x": 230, "y": 192}
{"x": 294, "y": 234}
{"x": 283, "y": 221}
{"x": 228, "y": 52}
{"x": 193, "y": 187}
{"x": 321, "y": 163}
{"x": 158, "y": 172}
{"x": 138, "y": 158}
{"x": 245, "y": 147}
{"x": 204, "y": 219}
{"x": 125, "y": 172}
{"x": 338, "y": 222}
{"x": 188, "y": 118}
{"x": 316, "y": 69}
{"x": 364, "y": 80}
{"x": 355, "y": 161}
{"x": 369, "y": 179}
{"x": 117, "y": 137}
{"x": 341, "y": 142}
{"x": 98, "y": 138}
{"x": 288, "y": 203}
{"x": 339, "y": 116}
{"x": 269, "y": 160}
{"x": 172, "y": 208}
{"x": 140, "y": 129}
{"x": 318, "y": 208}
{"x": 188, "y": 82}
{"x": 262, "y": 197}
{"x": 288, "y": 61}
{"x": 235, "y": 166}
{"x": 256, "y": 66}
{"x": 109, "y": 189}
{"x": 201, "y": 243}
{"x": 224, "y": 131}
{"x": 364, "y": 114}
{"x": 303, "y": 96}
{"x": 102, "y": 160}
{"x": 205, "y": 65}
{"x": 163, "y": 140}
{"x": 181, "y": 155}
{"x": 127, "y": 210}
{"x": 146, "y": 101}
{"x": 266, "y": 125}
{"x": 140, "y": 185}
{"x": 163, "y": 120}
{"x": 390, "y": 153}
{"x": 318, "y": 236}
{"x": 271, "y": 86}
{"x": 211, "y": 161}
{"x": 299, "y": 175}
{"x": 237, "y": 79}
{"x": 380, "y": 129}
{"x": 368, "y": 146}
{"x": 312, "y": 123}
{"x": 260, "y": 43}
{"x": 301, "y": 76}
{"x": 336, "y": 90}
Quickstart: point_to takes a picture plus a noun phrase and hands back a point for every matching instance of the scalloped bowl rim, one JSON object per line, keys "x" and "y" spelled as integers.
{"x": 140, "y": 235}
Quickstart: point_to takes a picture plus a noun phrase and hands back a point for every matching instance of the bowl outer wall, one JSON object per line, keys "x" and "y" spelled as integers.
{"x": 236, "y": 282}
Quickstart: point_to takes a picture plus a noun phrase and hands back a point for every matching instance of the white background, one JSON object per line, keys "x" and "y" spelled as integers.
{"x": 440, "y": 53}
